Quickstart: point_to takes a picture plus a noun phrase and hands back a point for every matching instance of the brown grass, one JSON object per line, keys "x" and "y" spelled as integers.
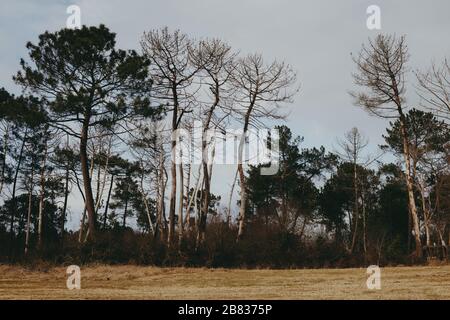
{"x": 135, "y": 282}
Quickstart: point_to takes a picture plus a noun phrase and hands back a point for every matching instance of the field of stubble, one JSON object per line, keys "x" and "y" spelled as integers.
{"x": 136, "y": 282}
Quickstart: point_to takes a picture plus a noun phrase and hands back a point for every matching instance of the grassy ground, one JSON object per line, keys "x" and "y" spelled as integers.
{"x": 134, "y": 282}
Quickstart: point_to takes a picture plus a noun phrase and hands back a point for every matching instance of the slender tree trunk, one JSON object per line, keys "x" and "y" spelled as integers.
{"x": 302, "y": 229}
{"x": 147, "y": 210}
{"x": 159, "y": 205}
{"x": 243, "y": 203}
{"x": 242, "y": 182}
{"x": 30, "y": 200}
{"x": 364, "y": 222}
{"x": 146, "y": 204}
{"x": 14, "y": 188}
{"x": 124, "y": 222}
{"x": 180, "y": 203}
{"x": 5, "y": 154}
{"x": 205, "y": 193}
{"x": 356, "y": 207}
{"x": 410, "y": 188}
{"x": 64, "y": 210}
{"x": 173, "y": 169}
{"x": 426, "y": 214}
{"x": 83, "y": 218}
{"x": 193, "y": 197}
{"x": 427, "y": 227}
{"x": 89, "y": 202}
{"x": 172, "y": 200}
{"x": 229, "y": 221}
{"x": 427, "y": 233}
{"x": 161, "y": 187}
{"x": 97, "y": 189}
{"x": 105, "y": 214}
{"x": 198, "y": 204}
{"x": 207, "y": 174}
{"x": 243, "y": 186}
{"x": 42, "y": 198}
{"x": 101, "y": 189}
{"x": 187, "y": 200}
{"x": 409, "y": 230}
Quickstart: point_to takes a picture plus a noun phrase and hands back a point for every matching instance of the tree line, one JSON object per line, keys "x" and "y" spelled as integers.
{"x": 94, "y": 125}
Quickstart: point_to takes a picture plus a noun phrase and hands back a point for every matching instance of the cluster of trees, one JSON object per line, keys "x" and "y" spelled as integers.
{"x": 95, "y": 126}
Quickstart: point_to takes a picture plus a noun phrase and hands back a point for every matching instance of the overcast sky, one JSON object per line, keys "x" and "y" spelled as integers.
{"x": 316, "y": 37}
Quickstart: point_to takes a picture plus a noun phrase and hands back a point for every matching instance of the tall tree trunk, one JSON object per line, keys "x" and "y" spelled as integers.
{"x": 30, "y": 200}
{"x": 89, "y": 202}
{"x": 198, "y": 204}
{"x": 14, "y": 188}
{"x": 356, "y": 207}
{"x": 83, "y": 218}
{"x": 410, "y": 188}
{"x": 426, "y": 213}
{"x": 42, "y": 197}
{"x": 193, "y": 197}
{"x": 145, "y": 201}
{"x": 147, "y": 210}
{"x": 173, "y": 191}
{"x": 180, "y": 203}
{"x": 243, "y": 185}
{"x": 160, "y": 198}
{"x": 101, "y": 189}
{"x": 206, "y": 173}
{"x": 187, "y": 200}
{"x": 229, "y": 221}
{"x": 302, "y": 229}
{"x": 5, "y": 154}
{"x": 97, "y": 188}
{"x": 82, "y": 221}
{"x": 173, "y": 169}
{"x": 161, "y": 181}
{"x": 243, "y": 203}
{"x": 363, "y": 198}
{"x": 64, "y": 210}
{"x": 201, "y": 225}
{"x": 124, "y": 222}
{"x": 242, "y": 182}
{"x": 105, "y": 213}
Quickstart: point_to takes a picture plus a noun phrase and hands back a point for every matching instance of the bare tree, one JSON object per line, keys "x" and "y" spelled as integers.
{"x": 172, "y": 75}
{"x": 381, "y": 70}
{"x": 260, "y": 91}
{"x": 216, "y": 61}
{"x": 149, "y": 147}
{"x": 434, "y": 89}
{"x": 352, "y": 147}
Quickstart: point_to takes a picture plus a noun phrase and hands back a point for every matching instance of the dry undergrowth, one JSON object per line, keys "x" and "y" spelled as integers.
{"x": 136, "y": 282}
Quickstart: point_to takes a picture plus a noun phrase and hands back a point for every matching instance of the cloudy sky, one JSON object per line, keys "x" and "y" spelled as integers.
{"x": 316, "y": 37}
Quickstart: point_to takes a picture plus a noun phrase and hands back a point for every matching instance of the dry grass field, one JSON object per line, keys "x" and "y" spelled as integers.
{"x": 135, "y": 282}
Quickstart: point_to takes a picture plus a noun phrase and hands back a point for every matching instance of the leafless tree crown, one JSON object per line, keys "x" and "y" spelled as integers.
{"x": 381, "y": 69}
